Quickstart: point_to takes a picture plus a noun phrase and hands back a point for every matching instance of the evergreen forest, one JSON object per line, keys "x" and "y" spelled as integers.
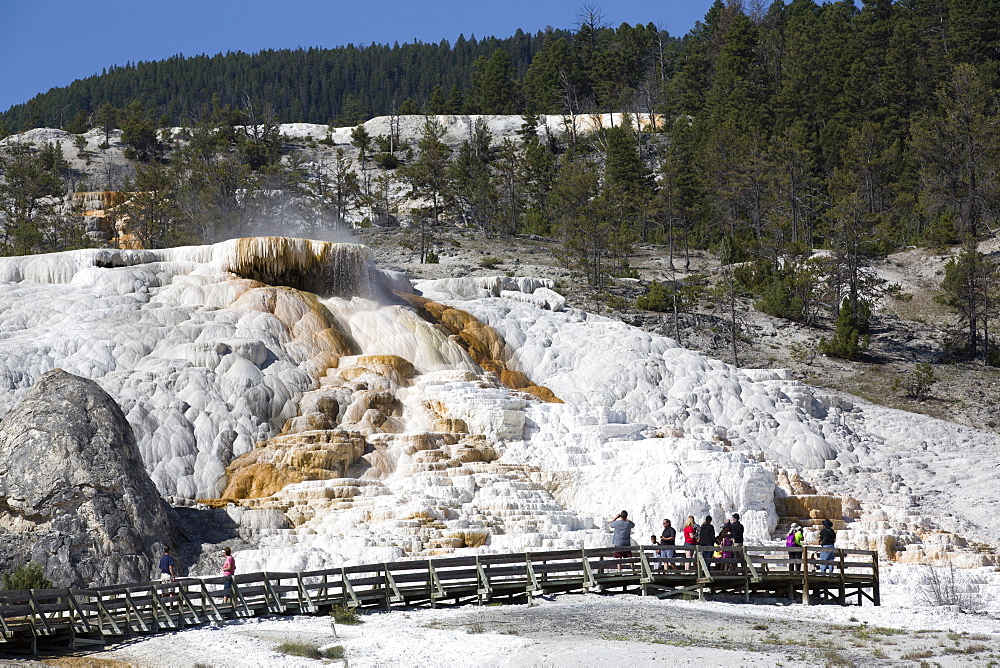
{"x": 767, "y": 132}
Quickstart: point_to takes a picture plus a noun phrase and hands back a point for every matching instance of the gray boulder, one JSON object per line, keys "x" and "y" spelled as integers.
{"x": 74, "y": 494}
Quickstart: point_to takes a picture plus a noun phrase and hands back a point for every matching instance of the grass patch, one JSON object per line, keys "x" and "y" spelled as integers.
{"x": 335, "y": 652}
{"x": 759, "y": 627}
{"x": 346, "y": 616}
{"x": 870, "y": 632}
{"x": 832, "y": 657}
{"x": 918, "y": 654}
{"x": 310, "y": 651}
{"x": 975, "y": 649}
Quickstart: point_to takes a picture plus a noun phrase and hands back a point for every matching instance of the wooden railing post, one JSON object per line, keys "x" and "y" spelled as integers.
{"x": 350, "y": 598}
{"x": 843, "y": 579}
{"x": 484, "y": 589}
{"x": 393, "y": 595}
{"x": 589, "y": 582}
{"x": 208, "y": 602}
{"x": 531, "y": 582}
{"x": 305, "y": 601}
{"x": 805, "y": 575}
{"x": 272, "y": 600}
{"x": 875, "y": 585}
{"x": 434, "y": 584}
{"x": 238, "y": 596}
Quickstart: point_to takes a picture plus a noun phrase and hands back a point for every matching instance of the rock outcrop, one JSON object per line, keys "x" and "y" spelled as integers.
{"x": 74, "y": 494}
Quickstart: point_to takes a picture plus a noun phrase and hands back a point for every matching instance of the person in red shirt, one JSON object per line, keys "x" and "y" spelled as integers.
{"x": 690, "y": 536}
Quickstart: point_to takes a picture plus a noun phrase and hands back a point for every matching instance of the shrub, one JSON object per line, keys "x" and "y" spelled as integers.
{"x": 848, "y": 342}
{"x": 624, "y": 270}
{"x": 431, "y": 258}
{"x": 614, "y": 302}
{"x": 660, "y": 297}
{"x": 657, "y": 298}
{"x": 731, "y": 250}
{"x": 919, "y": 382}
{"x": 942, "y": 586}
{"x": 29, "y": 576}
{"x": 346, "y": 616}
{"x": 801, "y": 352}
{"x": 490, "y": 262}
{"x": 992, "y": 353}
{"x": 386, "y": 161}
{"x": 780, "y": 300}
{"x": 787, "y": 291}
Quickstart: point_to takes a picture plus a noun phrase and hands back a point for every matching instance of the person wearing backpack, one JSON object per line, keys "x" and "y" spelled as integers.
{"x": 794, "y": 539}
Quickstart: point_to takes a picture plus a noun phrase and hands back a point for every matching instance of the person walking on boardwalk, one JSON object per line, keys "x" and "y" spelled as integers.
{"x": 794, "y": 539}
{"x": 228, "y": 570}
{"x": 827, "y": 537}
{"x": 622, "y": 527}
{"x": 668, "y": 538}
{"x": 706, "y": 538}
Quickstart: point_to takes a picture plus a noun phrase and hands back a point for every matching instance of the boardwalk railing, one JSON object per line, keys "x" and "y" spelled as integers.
{"x": 77, "y": 617}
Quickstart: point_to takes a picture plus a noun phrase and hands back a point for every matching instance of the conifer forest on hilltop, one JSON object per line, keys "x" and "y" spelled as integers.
{"x": 759, "y": 136}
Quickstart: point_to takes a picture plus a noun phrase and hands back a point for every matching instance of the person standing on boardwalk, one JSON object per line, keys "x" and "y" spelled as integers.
{"x": 706, "y": 538}
{"x": 228, "y": 570}
{"x": 736, "y": 530}
{"x": 827, "y": 537}
{"x": 690, "y": 537}
{"x": 794, "y": 539}
{"x": 668, "y": 538}
{"x": 167, "y": 572}
{"x": 725, "y": 539}
{"x": 622, "y": 527}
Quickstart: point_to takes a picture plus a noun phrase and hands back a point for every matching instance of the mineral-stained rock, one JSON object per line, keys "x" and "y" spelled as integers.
{"x": 291, "y": 458}
{"x": 74, "y": 494}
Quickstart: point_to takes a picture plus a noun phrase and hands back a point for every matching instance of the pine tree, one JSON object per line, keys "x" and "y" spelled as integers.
{"x": 957, "y": 151}
{"x": 453, "y": 105}
{"x": 493, "y": 89}
{"x": 106, "y": 118}
{"x": 437, "y": 104}
{"x": 970, "y": 288}
{"x": 469, "y": 176}
{"x": 428, "y": 175}
{"x": 139, "y": 134}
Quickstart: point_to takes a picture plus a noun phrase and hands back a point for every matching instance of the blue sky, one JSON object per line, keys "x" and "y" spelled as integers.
{"x": 47, "y": 43}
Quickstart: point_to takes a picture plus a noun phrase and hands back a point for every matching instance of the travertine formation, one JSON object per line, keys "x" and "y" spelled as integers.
{"x": 74, "y": 494}
{"x": 332, "y": 412}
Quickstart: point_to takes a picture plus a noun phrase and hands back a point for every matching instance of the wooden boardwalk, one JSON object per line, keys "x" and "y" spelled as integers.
{"x": 74, "y": 618}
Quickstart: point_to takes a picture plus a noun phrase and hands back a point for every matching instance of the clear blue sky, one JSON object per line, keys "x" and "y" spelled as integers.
{"x": 48, "y": 43}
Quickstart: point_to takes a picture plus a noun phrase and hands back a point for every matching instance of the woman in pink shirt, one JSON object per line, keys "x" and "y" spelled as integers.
{"x": 228, "y": 569}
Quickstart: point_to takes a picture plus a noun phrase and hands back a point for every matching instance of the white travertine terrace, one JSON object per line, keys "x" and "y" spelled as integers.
{"x": 212, "y": 350}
